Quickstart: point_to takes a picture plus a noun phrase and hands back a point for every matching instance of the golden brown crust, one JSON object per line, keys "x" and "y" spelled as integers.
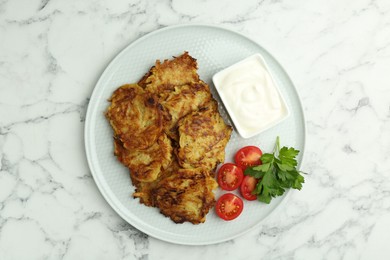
{"x": 143, "y": 81}
{"x": 203, "y": 137}
{"x": 144, "y": 190}
{"x": 176, "y": 72}
{"x": 169, "y": 133}
{"x": 135, "y": 116}
{"x": 186, "y": 195}
{"x": 180, "y": 102}
{"x": 146, "y": 164}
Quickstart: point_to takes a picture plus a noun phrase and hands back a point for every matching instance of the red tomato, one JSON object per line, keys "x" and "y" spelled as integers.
{"x": 247, "y": 186}
{"x": 229, "y": 206}
{"x": 230, "y": 176}
{"x": 248, "y": 156}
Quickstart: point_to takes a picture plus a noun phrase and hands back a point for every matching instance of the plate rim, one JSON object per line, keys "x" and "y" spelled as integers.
{"x": 87, "y": 131}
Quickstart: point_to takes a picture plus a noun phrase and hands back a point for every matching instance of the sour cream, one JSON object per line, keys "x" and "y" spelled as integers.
{"x": 251, "y": 96}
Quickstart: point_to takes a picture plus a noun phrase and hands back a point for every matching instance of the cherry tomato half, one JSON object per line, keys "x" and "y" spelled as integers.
{"x": 247, "y": 186}
{"x": 229, "y": 206}
{"x": 230, "y": 176}
{"x": 248, "y": 156}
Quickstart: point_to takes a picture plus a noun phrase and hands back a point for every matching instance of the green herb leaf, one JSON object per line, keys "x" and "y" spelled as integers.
{"x": 276, "y": 173}
{"x": 267, "y": 158}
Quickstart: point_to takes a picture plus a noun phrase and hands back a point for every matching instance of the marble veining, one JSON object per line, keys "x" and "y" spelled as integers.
{"x": 51, "y": 54}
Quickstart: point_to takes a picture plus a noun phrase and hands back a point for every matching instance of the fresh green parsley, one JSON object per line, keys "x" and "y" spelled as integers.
{"x": 276, "y": 173}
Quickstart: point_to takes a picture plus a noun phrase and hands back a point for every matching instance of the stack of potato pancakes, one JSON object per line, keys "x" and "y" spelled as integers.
{"x": 169, "y": 133}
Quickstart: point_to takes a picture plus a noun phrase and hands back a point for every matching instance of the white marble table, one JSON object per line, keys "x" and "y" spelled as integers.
{"x": 51, "y": 55}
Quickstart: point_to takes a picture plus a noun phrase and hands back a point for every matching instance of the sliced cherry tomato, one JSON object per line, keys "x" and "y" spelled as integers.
{"x": 248, "y": 156}
{"x": 229, "y": 206}
{"x": 247, "y": 186}
{"x": 230, "y": 176}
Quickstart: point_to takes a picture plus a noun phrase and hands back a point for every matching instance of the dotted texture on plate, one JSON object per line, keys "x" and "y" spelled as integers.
{"x": 215, "y": 49}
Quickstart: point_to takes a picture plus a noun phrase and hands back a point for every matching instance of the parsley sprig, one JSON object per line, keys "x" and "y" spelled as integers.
{"x": 276, "y": 173}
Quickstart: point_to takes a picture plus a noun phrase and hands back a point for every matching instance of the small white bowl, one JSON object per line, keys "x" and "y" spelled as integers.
{"x": 236, "y": 100}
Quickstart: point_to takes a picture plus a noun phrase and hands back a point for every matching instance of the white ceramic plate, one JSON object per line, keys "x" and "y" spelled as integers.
{"x": 215, "y": 48}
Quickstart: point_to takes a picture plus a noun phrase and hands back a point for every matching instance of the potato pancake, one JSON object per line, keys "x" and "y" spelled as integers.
{"x": 186, "y": 195}
{"x": 203, "y": 137}
{"x": 180, "y": 102}
{"x": 146, "y": 164}
{"x": 144, "y": 190}
{"x": 168, "y": 132}
{"x": 165, "y": 76}
{"x": 135, "y": 116}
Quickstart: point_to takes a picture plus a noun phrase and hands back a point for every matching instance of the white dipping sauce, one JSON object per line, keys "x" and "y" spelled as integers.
{"x": 250, "y": 96}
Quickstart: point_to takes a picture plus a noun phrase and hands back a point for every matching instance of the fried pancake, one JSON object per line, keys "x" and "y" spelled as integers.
{"x": 170, "y": 106}
{"x": 165, "y": 76}
{"x": 212, "y": 158}
{"x": 186, "y": 195}
{"x": 144, "y": 190}
{"x": 135, "y": 116}
{"x": 180, "y": 102}
{"x": 146, "y": 164}
{"x": 203, "y": 137}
